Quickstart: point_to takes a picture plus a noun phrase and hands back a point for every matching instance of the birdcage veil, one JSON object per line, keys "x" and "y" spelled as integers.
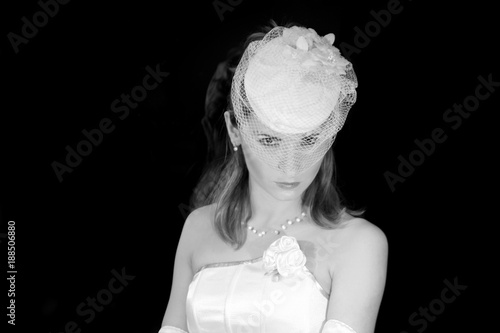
{"x": 291, "y": 94}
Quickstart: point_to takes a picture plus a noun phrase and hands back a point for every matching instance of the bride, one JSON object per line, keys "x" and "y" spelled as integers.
{"x": 274, "y": 249}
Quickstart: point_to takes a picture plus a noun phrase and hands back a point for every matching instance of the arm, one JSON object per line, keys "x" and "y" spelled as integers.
{"x": 359, "y": 280}
{"x": 174, "y": 320}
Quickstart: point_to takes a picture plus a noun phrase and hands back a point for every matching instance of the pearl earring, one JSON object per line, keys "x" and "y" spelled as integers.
{"x": 235, "y": 148}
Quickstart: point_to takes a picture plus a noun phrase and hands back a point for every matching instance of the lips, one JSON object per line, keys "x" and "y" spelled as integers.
{"x": 287, "y": 185}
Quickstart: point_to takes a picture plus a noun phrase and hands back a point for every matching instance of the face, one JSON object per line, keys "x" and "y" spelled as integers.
{"x": 283, "y": 183}
{"x": 281, "y": 186}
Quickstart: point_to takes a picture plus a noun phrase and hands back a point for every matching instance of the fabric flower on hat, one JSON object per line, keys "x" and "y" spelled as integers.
{"x": 311, "y": 50}
{"x": 284, "y": 258}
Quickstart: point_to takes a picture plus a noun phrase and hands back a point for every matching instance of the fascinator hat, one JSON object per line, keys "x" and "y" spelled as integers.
{"x": 291, "y": 94}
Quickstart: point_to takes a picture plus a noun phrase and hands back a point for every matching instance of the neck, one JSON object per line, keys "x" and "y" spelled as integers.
{"x": 269, "y": 212}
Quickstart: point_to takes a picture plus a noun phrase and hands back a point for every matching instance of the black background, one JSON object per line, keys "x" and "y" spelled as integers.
{"x": 124, "y": 205}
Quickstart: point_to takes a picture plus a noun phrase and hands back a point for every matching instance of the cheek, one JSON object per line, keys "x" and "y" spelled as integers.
{"x": 307, "y": 177}
{"x": 257, "y": 168}
{"x": 313, "y": 170}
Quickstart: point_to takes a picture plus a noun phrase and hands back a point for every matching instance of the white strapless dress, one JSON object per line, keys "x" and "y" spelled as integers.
{"x": 275, "y": 293}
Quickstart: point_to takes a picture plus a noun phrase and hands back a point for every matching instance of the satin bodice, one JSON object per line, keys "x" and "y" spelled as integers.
{"x": 238, "y": 296}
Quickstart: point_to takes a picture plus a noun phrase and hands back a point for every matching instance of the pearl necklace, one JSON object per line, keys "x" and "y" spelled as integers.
{"x": 283, "y": 226}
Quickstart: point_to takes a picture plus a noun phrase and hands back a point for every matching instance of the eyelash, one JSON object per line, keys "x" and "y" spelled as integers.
{"x": 265, "y": 142}
{"x": 308, "y": 141}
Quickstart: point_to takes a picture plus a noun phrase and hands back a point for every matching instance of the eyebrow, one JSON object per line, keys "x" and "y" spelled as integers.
{"x": 263, "y": 133}
{"x": 275, "y": 136}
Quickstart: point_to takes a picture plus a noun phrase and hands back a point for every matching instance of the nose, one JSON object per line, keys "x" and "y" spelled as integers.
{"x": 289, "y": 163}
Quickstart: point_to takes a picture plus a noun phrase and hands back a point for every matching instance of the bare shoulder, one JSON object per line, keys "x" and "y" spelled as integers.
{"x": 354, "y": 238}
{"x": 198, "y": 222}
{"x": 359, "y": 238}
{"x": 200, "y": 217}
{"x": 360, "y": 230}
{"x": 197, "y": 228}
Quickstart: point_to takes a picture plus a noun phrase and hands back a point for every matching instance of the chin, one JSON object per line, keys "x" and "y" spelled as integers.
{"x": 286, "y": 195}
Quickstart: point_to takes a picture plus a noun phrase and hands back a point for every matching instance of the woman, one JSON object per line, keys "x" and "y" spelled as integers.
{"x": 276, "y": 251}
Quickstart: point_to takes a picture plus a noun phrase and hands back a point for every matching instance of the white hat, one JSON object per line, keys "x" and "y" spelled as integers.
{"x": 296, "y": 85}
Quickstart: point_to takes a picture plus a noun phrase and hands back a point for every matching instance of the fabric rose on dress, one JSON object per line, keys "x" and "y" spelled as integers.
{"x": 289, "y": 262}
{"x": 313, "y": 51}
{"x": 284, "y": 258}
{"x": 270, "y": 259}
